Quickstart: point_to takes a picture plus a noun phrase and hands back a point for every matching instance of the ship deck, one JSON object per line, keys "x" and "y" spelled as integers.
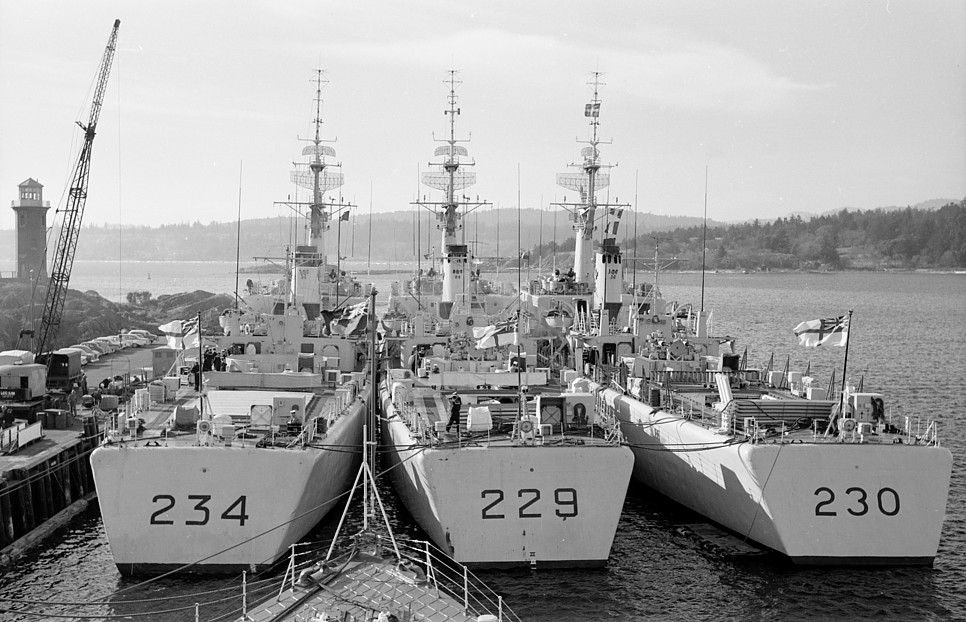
{"x": 173, "y": 420}
{"x": 368, "y": 581}
{"x": 426, "y": 411}
{"x": 760, "y": 414}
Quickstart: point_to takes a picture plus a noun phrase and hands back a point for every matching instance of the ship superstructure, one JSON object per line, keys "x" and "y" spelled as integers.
{"x": 451, "y": 290}
{"x": 575, "y": 316}
{"x": 769, "y": 456}
{"x": 773, "y": 457}
{"x": 518, "y": 471}
{"x": 259, "y": 450}
{"x": 311, "y": 280}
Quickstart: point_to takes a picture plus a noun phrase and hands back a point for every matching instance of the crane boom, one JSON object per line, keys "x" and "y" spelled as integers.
{"x": 74, "y": 212}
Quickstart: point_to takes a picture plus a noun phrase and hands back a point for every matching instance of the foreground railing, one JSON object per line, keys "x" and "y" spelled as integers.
{"x": 445, "y": 575}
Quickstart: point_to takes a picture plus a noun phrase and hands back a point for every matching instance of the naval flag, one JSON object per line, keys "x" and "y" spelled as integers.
{"x": 832, "y": 331}
{"x": 592, "y": 109}
{"x": 353, "y": 321}
{"x": 499, "y": 334}
{"x": 181, "y": 335}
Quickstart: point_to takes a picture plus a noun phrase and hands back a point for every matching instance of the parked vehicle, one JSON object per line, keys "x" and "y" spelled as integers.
{"x": 113, "y": 345}
{"x": 98, "y": 346}
{"x": 151, "y": 337}
{"x": 129, "y": 340}
{"x": 92, "y": 354}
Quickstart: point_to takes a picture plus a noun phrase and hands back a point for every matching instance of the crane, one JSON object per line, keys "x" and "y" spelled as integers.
{"x": 74, "y": 212}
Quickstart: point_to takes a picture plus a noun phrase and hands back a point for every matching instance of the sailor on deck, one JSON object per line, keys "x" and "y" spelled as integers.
{"x": 454, "y": 412}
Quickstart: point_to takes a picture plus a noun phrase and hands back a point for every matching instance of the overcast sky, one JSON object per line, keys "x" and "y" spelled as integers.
{"x": 794, "y": 106}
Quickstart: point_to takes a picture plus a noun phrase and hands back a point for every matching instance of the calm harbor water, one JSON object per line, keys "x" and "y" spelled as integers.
{"x": 908, "y": 341}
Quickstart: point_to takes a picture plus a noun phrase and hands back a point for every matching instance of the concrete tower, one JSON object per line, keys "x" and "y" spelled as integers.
{"x": 31, "y": 230}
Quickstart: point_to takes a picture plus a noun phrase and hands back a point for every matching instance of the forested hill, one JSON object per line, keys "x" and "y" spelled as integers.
{"x": 884, "y": 238}
{"x": 876, "y": 239}
{"x": 396, "y": 236}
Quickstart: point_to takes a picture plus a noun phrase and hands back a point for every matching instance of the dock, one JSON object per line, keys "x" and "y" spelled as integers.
{"x": 47, "y": 482}
{"x": 45, "y": 472}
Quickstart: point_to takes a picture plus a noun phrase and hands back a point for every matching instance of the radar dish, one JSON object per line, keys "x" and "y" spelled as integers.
{"x": 454, "y": 150}
{"x": 589, "y": 153}
{"x": 322, "y": 150}
{"x": 581, "y": 181}
{"x": 328, "y": 180}
{"x": 440, "y": 179}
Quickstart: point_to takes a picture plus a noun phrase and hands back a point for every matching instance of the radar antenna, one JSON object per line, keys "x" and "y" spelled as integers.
{"x": 318, "y": 174}
{"x": 450, "y": 175}
{"x": 587, "y": 181}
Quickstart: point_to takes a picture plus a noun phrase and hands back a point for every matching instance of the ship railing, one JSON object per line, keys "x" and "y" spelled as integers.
{"x": 452, "y": 578}
{"x": 929, "y": 437}
{"x": 693, "y": 377}
{"x": 431, "y": 567}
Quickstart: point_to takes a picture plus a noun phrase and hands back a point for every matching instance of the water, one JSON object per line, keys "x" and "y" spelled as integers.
{"x": 908, "y": 340}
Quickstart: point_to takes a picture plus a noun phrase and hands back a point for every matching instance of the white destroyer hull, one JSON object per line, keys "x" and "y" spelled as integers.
{"x": 511, "y": 505}
{"x": 817, "y": 503}
{"x": 219, "y": 508}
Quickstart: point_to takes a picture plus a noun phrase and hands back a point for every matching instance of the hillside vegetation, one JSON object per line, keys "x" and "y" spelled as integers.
{"x": 879, "y": 239}
{"x": 922, "y": 237}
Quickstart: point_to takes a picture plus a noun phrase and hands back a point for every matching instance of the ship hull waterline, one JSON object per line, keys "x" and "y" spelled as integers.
{"x": 502, "y": 506}
{"x": 219, "y": 509}
{"x": 814, "y": 503}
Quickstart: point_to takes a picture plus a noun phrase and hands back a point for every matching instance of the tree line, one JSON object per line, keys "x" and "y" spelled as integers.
{"x": 878, "y": 239}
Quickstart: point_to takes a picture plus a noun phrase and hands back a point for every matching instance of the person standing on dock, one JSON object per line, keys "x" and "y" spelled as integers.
{"x": 73, "y": 399}
{"x": 454, "y": 412}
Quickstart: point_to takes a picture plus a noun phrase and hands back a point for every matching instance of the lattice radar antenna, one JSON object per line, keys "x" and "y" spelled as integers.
{"x": 439, "y": 178}
{"x": 328, "y": 180}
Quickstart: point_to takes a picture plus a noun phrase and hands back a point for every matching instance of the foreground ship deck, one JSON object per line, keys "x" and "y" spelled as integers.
{"x": 377, "y": 576}
{"x": 370, "y": 580}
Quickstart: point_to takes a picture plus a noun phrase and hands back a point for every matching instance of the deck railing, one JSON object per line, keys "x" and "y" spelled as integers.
{"x": 443, "y": 573}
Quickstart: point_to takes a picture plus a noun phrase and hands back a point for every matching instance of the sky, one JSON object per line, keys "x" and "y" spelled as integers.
{"x": 789, "y": 106}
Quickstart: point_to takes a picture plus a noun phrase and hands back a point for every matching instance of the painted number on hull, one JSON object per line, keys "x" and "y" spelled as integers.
{"x": 200, "y": 512}
{"x": 857, "y": 502}
{"x": 565, "y": 500}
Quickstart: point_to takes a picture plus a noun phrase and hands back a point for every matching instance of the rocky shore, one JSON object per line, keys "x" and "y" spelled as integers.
{"x": 88, "y": 315}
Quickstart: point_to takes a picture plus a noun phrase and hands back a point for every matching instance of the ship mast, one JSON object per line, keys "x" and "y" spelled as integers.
{"x": 449, "y": 175}
{"x": 587, "y": 182}
{"x": 313, "y": 281}
{"x": 319, "y": 218}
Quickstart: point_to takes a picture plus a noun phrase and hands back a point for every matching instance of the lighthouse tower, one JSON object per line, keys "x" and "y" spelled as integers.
{"x": 31, "y": 213}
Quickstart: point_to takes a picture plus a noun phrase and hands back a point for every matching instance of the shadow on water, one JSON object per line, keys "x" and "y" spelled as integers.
{"x": 658, "y": 571}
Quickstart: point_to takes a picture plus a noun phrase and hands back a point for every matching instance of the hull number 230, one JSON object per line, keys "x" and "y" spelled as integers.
{"x": 857, "y": 502}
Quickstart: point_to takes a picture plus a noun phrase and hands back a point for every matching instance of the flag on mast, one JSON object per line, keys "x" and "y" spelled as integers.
{"x": 495, "y": 335}
{"x": 181, "y": 334}
{"x": 833, "y": 331}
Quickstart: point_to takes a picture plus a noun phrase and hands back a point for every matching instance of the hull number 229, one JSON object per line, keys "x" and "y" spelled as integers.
{"x": 528, "y": 503}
